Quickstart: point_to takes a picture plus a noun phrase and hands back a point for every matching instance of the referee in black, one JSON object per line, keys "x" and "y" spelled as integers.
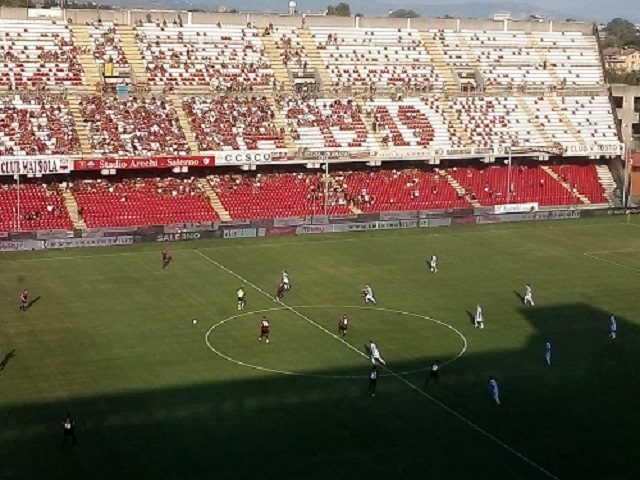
{"x": 68, "y": 431}
{"x": 373, "y": 380}
{"x": 434, "y": 373}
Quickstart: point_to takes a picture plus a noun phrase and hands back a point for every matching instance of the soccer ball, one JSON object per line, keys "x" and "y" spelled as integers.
{"x": 195, "y": 321}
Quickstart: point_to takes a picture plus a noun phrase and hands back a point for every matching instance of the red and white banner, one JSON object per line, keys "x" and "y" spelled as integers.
{"x": 33, "y": 166}
{"x": 143, "y": 163}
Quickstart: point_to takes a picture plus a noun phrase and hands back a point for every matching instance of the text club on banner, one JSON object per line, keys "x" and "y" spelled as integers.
{"x": 34, "y": 166}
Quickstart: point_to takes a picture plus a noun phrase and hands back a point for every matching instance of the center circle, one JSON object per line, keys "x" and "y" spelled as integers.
{"x": 302, "y": 307}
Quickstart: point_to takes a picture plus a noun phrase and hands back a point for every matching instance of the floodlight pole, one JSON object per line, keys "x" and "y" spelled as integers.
{"x": 625, "y": 176}
{"x": 509, "y": 176}
{"x": 19, "y": 203}
{"x": 326, "y": 187}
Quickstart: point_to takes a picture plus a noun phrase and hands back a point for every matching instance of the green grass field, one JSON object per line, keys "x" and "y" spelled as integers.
{"x": 111, "y": 340}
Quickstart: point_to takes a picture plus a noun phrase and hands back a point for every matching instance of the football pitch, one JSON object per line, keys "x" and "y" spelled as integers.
{"x": 110, "y": 338}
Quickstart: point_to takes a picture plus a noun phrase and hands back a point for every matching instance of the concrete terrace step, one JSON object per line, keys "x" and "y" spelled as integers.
{"x": 216, "y": 204}
{"x": 72, "y": 207}
{"x": 566, "y": 186}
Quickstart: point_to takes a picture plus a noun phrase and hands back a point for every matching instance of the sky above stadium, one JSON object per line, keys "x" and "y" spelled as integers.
{"x": 590, "y": 10}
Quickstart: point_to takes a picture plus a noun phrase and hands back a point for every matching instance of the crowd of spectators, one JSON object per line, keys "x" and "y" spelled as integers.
{"x": 133, "y": 126}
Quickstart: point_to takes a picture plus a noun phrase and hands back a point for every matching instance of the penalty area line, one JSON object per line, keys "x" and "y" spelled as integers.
{"x": 611, "y": 262}
{"x": 411, "y": 385}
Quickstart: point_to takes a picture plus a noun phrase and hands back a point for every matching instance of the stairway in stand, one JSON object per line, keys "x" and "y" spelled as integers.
{"x": 185, "y": 124}
{"x": 72, "y": 208}
{"x": 132, "y": 52}
{"x": 535, "y": 45}
{"x": 471, "y": 59}
{"x": 442, "y": 68}
{"x": 368, "y": 121}
{"x": 565, "y": 121}
{"x": 216, "y": 204}
{"x": 281, "y": 123}
{"x": 608, "y": 183}
{"x": 82, "y": 39}
{"x": 316, "y": 60}
{"x": 458, "y": 188}
{"x": 454, "y": 122}
{"x": 566, "y": 186}
{"x": 76, "y": 113}
{"x": 534, "y": 121}
{"x": 279, "y": 70}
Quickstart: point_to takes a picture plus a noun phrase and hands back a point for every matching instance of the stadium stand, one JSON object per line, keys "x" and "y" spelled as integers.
{"x": 412, "y": 122}
{"x": 401, "y": 189}
{"x": 35, "y": 54}
{"x": 327, "y": 123}
{"x": 135, "y": 126}
{"x": 41, "y": 208}
{"x": 227, "y": 58}
{"x": 142, "y": 201}
{"x": 454, "y": 97}
{"x": 583, "y": 178}
{"x": 277, "y": 195}
{"x": 233, "y": 123}
{"x": 376, "y": 57}
{"x": 489, "y": 185}
{"x": 36, "y": 125}
{"x": 107, "y": 45}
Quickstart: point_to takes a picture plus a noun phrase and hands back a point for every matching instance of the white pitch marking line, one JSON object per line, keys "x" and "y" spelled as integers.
{"x": 611, "y": 262}
{"x": 258, "y": 367}
{"x": 286, "y": 372}
{"x": 402, "y": 379}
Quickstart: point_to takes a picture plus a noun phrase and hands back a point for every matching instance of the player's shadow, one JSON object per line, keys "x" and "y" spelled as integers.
{"x": 33, "y": 302}
{"x": 472, "y": 317}
{"x": 519, "y": 295}
{"x": 6, "y": 359}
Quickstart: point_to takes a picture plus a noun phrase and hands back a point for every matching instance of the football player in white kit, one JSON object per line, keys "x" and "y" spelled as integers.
{"x": 613, "y": 328}
{"x": 433, "y": 264}
{"x": 285, "y": 280}
{"x": 375, "y": 353}
{"x": 368, "y": 294}
{"x": 478, "y": 322}
{"x": 494, "y": 390}
{"x": 547, "y": 352}
{"x": 528, "y": 295}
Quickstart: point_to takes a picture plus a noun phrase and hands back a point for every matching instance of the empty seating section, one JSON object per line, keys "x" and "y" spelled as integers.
{"x": 321, "y": 124}
{"x": 496, "y": 121}
{"x": 142, "y": 202}
{"x": 591, "y": 117}
{"x": 134, "y": 126}
{"x": 406, "y": 189}
{"x": 573, "y": 56}
{"x": 277, "y": 195}
{"x": 36, "y": 125}
{"x": 41, "y": 208}
{"x": 514, "y": 59}
{"x": 107, "y": 45}
{"x": 38, "y": 53}
{"x": 489, "y": 185}
{"x": 228, "y": 58}
{"x": 584, "y": 179}
{"x": 291, "y": 49}
{"x": 230, "y": 123}
{"x": 380, "y": 57}
{"x": 412, "y": 123}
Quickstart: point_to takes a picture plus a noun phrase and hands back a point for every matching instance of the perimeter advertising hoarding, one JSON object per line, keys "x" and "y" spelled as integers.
{"x": 57, "y": 244}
